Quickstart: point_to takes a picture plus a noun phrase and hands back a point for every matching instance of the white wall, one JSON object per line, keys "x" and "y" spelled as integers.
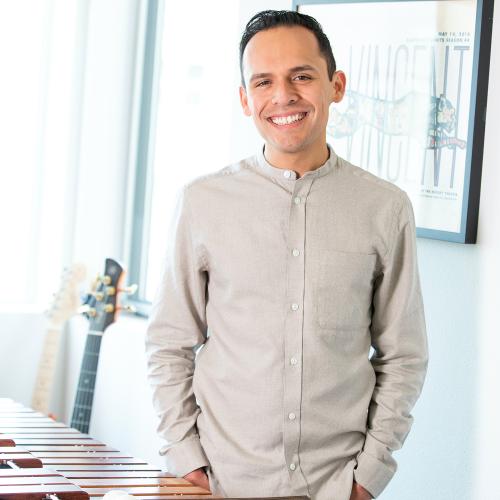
{"x": 450, "y": 453}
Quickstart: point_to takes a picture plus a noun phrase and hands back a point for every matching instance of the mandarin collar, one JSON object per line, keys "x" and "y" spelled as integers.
{"x": 291, "y": 175}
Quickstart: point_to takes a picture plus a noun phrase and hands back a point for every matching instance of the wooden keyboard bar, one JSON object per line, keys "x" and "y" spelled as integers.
{"x": 33, "y": 472}
{"x": 6, "y": 442}
{"x": 105, "y": 468}
{"x": 22, "y": 429}
{"x": 43, "y": 435}
{"x": 71, "y": 448}
{"x": 25, "y": 480}
{"x": 20, "y": 413}
{"x": 36, "y": 483}
{"x": 59, "y": 460}
{"x": 79, "y": 454}
{"x": 39, "y": 491}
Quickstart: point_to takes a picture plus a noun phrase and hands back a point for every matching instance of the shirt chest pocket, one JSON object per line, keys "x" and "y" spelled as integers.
{"x": 344, "y": 289}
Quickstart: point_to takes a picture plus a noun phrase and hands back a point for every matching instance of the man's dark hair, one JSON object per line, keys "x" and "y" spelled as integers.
{"x": 273, "y": 18}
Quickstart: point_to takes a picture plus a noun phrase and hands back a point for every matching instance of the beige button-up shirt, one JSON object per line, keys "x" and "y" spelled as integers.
{"x": 285, "y": 283}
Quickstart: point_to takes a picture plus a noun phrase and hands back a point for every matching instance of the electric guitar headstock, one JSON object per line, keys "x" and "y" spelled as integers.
{"x": 102, "y": 307}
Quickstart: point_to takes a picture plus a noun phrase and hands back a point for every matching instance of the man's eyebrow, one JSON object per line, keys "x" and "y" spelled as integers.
{"x": 304, "y": 67}
{"x": 259, "y": 75}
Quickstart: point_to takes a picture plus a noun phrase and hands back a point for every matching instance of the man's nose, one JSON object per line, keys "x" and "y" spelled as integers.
{"x": 284, "y": 93}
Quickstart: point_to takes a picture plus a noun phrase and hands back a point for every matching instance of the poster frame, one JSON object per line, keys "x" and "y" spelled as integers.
{"x": 476, "y": 118}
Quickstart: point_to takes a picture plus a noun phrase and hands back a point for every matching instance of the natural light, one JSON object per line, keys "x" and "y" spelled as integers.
{"x": 198, "y": 73}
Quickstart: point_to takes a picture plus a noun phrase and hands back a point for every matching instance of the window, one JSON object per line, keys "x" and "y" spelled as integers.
{"x": 42, "y": 53}
{"x": 190, "y": 71}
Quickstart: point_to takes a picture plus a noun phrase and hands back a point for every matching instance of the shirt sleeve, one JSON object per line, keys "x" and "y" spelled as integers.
{"x": 399, "y": 338}
{"x": 176, "y": 328}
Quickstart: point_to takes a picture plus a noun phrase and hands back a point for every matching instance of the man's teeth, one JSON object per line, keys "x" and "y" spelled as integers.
{"x": 289, "y": 119}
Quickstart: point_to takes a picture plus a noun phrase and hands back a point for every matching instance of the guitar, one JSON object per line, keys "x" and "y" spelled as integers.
{"x": 64, "y": 305}
{"x": 101, "y": 311}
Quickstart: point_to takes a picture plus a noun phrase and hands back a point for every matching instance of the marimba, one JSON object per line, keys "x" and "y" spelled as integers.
{"x": 41, "y": 459}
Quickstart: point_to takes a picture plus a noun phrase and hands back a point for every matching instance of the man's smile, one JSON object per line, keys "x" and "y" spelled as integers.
{"x": 287, "y": 121}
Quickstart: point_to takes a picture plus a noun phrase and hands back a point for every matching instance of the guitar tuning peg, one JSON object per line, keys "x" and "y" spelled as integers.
{"x": 92, "y": 312}
{"x": 105, "y": 280}
{"x": 83, "y": 309}
{"x": 86, "y": 309}
{"x": 129, "y": 290}
{"x": 109, "y": 308}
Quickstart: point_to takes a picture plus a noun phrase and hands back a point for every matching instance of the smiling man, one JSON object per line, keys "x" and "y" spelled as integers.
{"x": 286, "y": 267}
{"x": 290, "y": 88}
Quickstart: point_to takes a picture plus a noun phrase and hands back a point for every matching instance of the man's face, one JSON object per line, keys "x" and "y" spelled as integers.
{"x": 288, "y": 92}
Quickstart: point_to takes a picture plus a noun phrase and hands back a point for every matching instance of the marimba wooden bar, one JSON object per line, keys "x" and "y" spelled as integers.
{"x": 41, "y": 459}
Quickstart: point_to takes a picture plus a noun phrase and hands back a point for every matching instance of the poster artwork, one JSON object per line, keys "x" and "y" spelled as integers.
{"x": 405, "y": 113}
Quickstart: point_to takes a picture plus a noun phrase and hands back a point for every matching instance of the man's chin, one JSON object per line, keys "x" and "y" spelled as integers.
{"x": 286, "y": 148}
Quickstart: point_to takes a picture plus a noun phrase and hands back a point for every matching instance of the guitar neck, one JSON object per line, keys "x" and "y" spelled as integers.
{"x": 46, "y": 369}
{"x": 82, "y": 409}
{"x": 102, "y": 311}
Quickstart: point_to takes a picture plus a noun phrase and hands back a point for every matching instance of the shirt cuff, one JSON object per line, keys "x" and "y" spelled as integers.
{"x": 184, "y": 457}
{"x": 372, "y": 474}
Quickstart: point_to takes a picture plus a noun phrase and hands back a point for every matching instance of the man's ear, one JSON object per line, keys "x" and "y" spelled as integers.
{"x": 338, "y": 85}
{"x": 244, "y": 101}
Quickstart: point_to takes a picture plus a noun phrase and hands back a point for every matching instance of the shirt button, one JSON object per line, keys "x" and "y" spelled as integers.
{"x": 292, "y": 466}
{"x": 293, "y": 361}
{"x": 287, "y": 173}
{"x": 291, "y": 416}
{"x": 294, "y": 306}
{"x": 296, "y": 200}
{"x": 295, "y": 252}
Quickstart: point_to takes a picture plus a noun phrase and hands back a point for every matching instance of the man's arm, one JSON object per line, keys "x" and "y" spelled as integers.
{"x": 400, "y": 360}
{"x": 178, "y": 325}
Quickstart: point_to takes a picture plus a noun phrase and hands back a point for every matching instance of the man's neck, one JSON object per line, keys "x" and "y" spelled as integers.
{"x": 301, "y": 162}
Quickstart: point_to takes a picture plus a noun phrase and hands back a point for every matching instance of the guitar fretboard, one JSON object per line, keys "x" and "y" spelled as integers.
{"x": 86, "y": 383}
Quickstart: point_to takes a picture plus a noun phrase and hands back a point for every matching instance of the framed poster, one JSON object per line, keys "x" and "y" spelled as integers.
{"x": 415, "y": 104}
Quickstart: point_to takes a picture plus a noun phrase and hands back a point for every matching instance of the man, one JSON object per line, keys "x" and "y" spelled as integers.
{"x": 287, "y": 267}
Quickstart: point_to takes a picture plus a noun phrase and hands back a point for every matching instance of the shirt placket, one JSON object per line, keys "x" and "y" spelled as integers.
{"x": 294, "y": 327}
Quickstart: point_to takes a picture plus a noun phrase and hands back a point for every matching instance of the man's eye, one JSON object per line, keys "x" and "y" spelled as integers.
{"x": 262, "y": 83}
{"x": 303, "y": 77}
